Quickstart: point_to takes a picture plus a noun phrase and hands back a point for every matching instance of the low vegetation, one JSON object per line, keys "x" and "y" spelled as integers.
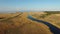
{"x": 52, "y": 12}
{"x": 22, "y": 25}
{"x": 52, "y": 17}
{"x": 49, "y": 13}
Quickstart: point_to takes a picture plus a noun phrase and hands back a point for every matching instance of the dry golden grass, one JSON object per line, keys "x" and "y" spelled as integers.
{"x": 22, "y": 25}
{"x": 53, "y": 18}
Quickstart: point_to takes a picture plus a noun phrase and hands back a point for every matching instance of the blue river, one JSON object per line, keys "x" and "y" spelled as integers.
{"x": 53, "y": 28}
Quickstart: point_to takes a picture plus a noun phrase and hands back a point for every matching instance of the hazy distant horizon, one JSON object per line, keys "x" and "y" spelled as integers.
{"x": 26, "y": 11}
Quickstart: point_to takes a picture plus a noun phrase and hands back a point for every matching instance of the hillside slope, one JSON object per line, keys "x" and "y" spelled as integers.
{"x": 51, "y": 17}
{"x": 20, "y": 24}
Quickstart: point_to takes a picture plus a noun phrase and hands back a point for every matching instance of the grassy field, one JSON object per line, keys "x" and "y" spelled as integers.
{"x": 49, "y": 16}
{"x": 18, "y": 23}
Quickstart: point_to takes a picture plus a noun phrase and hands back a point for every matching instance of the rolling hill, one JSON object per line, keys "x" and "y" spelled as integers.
{"x": 52, "y": 17}
{"x": 18, "y": 23}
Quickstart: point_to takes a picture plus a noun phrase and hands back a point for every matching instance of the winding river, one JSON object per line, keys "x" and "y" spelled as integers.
{"x": 53, "y": 28}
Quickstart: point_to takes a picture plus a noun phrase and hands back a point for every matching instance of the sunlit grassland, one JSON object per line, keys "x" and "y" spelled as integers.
{"x": 52, "y": 17}
{"x": 20, "y": 24}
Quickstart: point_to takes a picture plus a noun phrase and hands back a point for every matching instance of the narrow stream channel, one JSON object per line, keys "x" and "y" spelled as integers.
{"x": 53, "y": 28}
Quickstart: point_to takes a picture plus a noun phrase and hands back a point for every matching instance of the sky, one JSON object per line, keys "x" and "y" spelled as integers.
{"x": 37, "y": 5}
